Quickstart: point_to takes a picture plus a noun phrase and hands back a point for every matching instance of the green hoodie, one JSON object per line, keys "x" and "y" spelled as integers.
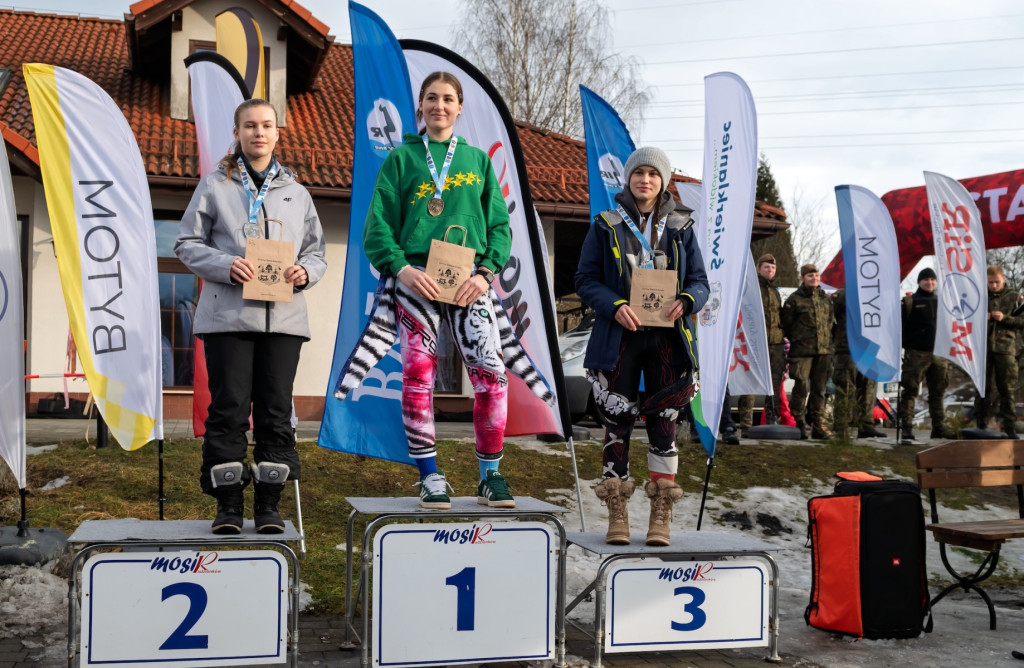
{"x": 398, "y": 228}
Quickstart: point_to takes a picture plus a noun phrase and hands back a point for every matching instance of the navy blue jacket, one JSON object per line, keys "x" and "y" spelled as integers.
{"x": 601, "y": 284}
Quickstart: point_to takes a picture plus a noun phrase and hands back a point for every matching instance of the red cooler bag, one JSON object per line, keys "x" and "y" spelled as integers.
{"x": 868, "y": 559}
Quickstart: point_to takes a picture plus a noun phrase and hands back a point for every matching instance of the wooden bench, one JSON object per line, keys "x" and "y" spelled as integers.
{"x": 962, "y": 464}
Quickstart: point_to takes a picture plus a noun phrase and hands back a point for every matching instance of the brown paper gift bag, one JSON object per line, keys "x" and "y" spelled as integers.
{"x": 270, "y": 258}
{"x": 651, "y": 295}
{"x": 449, "y": 265}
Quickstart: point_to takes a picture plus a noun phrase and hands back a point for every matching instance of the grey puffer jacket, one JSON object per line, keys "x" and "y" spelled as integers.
{"x": 212, "y": 235}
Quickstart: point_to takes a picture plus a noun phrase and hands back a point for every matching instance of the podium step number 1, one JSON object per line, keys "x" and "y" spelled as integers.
{"x": 451, "y": 593}
{"x": 686, "y": 605}
{"x": 198, "y": 608}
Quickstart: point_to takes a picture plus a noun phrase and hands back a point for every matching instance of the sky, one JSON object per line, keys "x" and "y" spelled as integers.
{"x": 869, "y": 93}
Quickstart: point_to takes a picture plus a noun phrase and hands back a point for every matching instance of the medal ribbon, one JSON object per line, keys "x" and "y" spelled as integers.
{"x": 439, "y": 180}
{"x": 647, "y": 255}
{"x": 254, "y": 204}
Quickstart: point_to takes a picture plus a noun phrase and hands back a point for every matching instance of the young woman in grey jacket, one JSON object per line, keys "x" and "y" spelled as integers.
{"x": 252, "y": 346}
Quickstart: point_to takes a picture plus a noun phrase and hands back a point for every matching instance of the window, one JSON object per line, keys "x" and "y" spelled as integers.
{"x": 179, "y": 294}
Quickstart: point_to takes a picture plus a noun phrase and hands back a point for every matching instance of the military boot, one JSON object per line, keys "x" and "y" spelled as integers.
{"x": 1010, "y": 429}
{"x": 228, "y": 483}
{"x": 615, "y": 493}
{"x": 819, "y": 430}
{"x": 663, "y": 494}
{"x": 268, "y": 483}
{"x": 942, "y": 431}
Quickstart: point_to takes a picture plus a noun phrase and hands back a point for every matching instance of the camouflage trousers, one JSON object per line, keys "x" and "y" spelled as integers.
{"x": 1001, "y": 377}
{"x": 855, "y": 396}
{"x": 809, "y": 376}
{"x": 920, "y": 365}
{"x": 777, "y": 362}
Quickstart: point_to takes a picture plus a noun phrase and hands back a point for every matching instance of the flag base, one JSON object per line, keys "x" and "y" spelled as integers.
{"x": 39, "y": 547}
{"x": 772, "y": 432}
{"x": 975, "y": 434}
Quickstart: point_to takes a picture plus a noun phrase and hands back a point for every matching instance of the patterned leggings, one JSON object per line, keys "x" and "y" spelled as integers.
{"x": 659, "y": 354}
{"x": 475, "y": 331}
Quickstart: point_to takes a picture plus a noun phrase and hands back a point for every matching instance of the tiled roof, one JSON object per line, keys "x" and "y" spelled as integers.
{"x": 317, "y": 142}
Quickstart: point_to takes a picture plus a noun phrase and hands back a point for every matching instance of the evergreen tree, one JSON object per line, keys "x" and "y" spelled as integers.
{"x": 779, "y": 244}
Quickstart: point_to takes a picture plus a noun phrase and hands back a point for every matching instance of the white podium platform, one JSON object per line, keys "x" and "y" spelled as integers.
{"x": 390, "y": 510}
{"x": 687, "y": 561}
{"x": 177, "y": 539}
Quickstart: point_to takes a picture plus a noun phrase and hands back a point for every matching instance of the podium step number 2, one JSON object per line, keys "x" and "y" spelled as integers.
{"x": 684, "y": 605}
{"x": 464, "y": 593}
{"x": 184, "y": 609}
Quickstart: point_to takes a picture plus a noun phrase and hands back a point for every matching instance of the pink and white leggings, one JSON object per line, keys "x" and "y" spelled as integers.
{"x": 475, "y": 331}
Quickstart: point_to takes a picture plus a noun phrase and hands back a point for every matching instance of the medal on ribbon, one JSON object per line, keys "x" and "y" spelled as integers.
{"x": 435, "y": 205}
{"x": 252, "y": 228}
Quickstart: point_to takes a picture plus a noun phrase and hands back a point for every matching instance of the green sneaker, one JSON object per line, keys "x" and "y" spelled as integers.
{"x": 433, "y": 492}
{"x": 493, "y": 492}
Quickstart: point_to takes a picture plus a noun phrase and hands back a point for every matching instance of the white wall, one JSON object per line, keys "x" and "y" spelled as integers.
{"x": 45, "y": 313}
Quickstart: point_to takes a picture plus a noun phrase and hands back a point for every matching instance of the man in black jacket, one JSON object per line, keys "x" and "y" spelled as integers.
{"x": 919, "y": 318}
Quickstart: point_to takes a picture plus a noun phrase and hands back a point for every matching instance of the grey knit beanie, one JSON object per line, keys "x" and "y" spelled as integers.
{"x": 655, "y": 157}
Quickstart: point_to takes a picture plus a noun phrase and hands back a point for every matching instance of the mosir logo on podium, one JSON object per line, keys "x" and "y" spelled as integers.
{"x": 464, "y": 593}
{"x": 184, "y": 608}
{"x": 668, "y": 605}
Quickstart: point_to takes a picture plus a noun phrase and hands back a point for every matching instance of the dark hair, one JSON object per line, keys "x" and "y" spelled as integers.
{"x": 443, "y": 77}
{"x": 230, "y": 161}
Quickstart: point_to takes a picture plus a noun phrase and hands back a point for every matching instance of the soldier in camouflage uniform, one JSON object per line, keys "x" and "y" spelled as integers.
{"x": 920, "y": 313}
{"x": 771, "y": 304}
{"x": 855, "y": 392}
{"x": 807, "y": 322}
{"x": 1001, "y": 366}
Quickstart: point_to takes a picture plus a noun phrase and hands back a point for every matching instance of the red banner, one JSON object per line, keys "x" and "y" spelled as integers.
{"x": 1000, "y": 200}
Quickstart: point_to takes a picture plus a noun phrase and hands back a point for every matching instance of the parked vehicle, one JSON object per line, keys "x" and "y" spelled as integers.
{"x": 572, "y": 345}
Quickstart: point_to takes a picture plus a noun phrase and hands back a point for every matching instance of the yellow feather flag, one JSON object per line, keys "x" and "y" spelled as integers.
{"x": 240, "y": 41}
{"x": 103, "y": 234}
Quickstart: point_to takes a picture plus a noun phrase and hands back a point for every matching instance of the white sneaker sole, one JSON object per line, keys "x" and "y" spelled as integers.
{"x": 484, "y": 501}
{"x": 436, "y": 505}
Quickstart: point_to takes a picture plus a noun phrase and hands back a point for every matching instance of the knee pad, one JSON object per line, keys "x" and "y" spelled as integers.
{"x": 270, "y": 472}
{"x": 227, "y": 474}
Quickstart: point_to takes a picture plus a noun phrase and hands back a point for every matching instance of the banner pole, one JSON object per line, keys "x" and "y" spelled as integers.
{"x": 160, "y": 477}
{"x": 23, "y": 522}
{"x": 298, "y": 515}
{"x": 576, "y": 477}
{"x": 704, "y": 494}
{"x": 899, "y": 394}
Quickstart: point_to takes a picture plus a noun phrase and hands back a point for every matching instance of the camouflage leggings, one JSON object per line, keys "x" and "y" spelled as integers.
{"x": 920, "y": 365}
{"x": 855, "y": 395}
{"x": 809, "y": 376}
{"x": 1001, "y": 377}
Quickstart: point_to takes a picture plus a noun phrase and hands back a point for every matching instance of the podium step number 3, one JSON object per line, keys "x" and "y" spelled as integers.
{"x": 464, "y": 593}
{"x": 684, "y": 605}
{"x": 184, "y": 608}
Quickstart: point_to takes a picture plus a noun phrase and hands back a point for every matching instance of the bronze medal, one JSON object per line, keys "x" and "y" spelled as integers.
{"x": 435, "y": 206}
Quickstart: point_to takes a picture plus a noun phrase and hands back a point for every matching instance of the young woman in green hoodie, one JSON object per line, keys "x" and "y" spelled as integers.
{"x": 427, "y": 185}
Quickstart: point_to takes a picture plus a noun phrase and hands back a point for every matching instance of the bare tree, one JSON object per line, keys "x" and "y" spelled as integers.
{"x": 536, "y": 52}
{"x": 814, "y": 240}
{"x": 1011, "y": 260}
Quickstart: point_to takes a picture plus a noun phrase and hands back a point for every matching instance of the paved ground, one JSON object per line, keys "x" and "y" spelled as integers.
{"x": 320, "y": 638}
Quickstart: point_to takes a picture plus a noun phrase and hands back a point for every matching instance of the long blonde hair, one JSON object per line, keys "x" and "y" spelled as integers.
{"x": 230, "y": 161}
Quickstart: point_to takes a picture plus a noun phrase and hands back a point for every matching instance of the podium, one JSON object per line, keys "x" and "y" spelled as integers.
{"x": 471, "y": 584}
{"x": 706, "y": 590}
{"x": 167, "y": 597}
